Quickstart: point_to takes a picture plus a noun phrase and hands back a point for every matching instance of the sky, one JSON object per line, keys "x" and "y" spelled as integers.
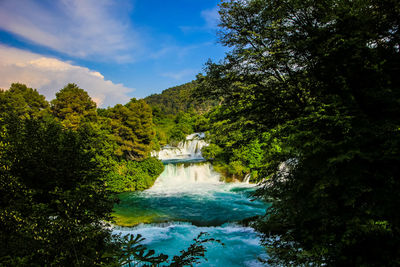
{"x": 114, "y": 49}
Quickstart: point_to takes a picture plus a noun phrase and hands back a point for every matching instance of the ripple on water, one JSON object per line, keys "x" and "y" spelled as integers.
{"x": 214, "y": 207}
{"x": 241, "y": 243}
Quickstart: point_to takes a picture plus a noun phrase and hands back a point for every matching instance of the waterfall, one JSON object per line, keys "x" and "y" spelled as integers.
{"x": 189, "y": 176}
{"x": 189, "y": 198}
{"x": 246, "y": 179}
{"x": 187, "y": 149}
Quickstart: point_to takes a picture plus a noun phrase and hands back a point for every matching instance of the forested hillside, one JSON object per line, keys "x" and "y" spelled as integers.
{"x": 176, "y": 113}
{"x": 179, "y": 99}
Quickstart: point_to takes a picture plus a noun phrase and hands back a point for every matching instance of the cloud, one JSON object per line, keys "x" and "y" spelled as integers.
{"x": 179, "y": 75}
{"x": 176, "y": 51}
{"x": 94, "y": 29}
{"x": 211, "y": 21}
{"x": 211, "y": 17}
{"x": 49, "y": 75}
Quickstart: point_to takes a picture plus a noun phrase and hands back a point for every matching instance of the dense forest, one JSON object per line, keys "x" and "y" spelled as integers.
{"x": 121, "y": 137}
{"x": 176, "y": 113}
{"x": 177, "y": 99}
{"x": 306, "y": 102}
{"x": 310, "y": 106}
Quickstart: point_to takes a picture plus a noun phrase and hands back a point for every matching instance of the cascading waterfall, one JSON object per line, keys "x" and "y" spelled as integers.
{"x": 246, "y": 179}
{"x": 185, "y": 177}
{"x": 187, "y": 149}
{"x": 185, "y": 170}
{"x": 188, "y": 198}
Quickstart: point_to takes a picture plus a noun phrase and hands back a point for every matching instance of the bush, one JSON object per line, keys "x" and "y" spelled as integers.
{"x": 134, "y": 175}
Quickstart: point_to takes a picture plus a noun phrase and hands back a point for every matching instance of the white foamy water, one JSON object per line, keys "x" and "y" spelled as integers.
{"x": 190, "y": 190}
{"x": 189, "y": 177}
{"x": 241, "y": 244}
{"x": 184, "y": 174}
{"x": 188, "y": 149}
{"x": 246, "y": 179}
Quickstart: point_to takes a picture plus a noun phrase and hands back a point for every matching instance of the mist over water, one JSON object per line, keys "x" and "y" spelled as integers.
{"x": 189, "y": 197}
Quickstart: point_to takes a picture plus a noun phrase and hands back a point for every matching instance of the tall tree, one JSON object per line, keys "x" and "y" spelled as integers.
{"x": 25, "y": 102}
{"x": 133, "y": 128}
{"x": 73, "y": 105}
{"x": 316, "y": 82}
{"x": 141, "y": 122}
{"x": 53, "y": 199}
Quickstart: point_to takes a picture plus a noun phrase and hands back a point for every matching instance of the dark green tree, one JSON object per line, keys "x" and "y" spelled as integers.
{"x": 25, "y": 102}
{"x": 133, "y": 129}
{"x": 141, "y": 122}
{"x": 73, "y": 106}
{"x": 53, "y": 199}
{"x": 316, "y": 84}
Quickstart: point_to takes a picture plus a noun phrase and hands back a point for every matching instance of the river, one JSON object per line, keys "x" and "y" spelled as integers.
{"x": 188, "y": 198}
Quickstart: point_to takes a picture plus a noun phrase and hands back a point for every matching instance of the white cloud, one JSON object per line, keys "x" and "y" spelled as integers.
{"x": 211, "y": 17}
{"x": 211, "y": 21}
{"x": 49, "y": 75}
{"x": 178, "y": 52}
{"x": 95, "y": 29}
{"x": 179, "y": 75}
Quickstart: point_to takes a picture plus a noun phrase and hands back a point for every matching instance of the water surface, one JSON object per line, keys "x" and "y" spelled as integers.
{"x": 188, "y": 198}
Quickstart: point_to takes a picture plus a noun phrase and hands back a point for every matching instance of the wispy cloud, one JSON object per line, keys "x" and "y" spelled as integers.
{"x": 211, "y": 21}
{"x": 176, "y": 51}
{"x": 211, "y": 17}
{"x": 180, "y": 75}
{"x": 95, "y": 29}
{"x": 49, "y": 75}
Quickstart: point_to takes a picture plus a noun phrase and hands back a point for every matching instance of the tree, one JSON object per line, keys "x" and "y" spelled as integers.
{"x": 73, "y": 106}
{"x": 178, "y": 99}
{"x": 141, "y": 122}
{"x": 25, "y": 102}
{"x": 133, "y": 129}
{"x": 316, "y": 84}
{"x": 53, "y": 199}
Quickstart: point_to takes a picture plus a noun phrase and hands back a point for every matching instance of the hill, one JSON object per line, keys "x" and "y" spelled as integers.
{"x": 178, "y": 99}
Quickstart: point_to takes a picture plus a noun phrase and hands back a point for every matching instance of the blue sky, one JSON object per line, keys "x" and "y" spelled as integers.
{"x": 114, "y": 49}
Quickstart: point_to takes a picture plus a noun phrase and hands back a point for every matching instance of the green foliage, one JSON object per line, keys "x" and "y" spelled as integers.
{"x": 236, "y": 147}
{"x": 183, "y": 125}
{"x": 53, "y": 202}
{"x": 57, "y": 175}
{"x": 73, "y": 106}
{"x": 211, "y": 152}
{"x": 152, "y": 166}
{"x": 163, "y": 126}
{"x": 176, "y": 114}
{"x": 178, "y": 99}
{"x": 23, "y": 101}
{"x": 174, "y": 129}
{"x": 310, "y": 100}
{"x": 132, "y": 129}
{"x": 133, "y": 253}
{"x": 133, "y": 175}
{"x": 194, "y": 252}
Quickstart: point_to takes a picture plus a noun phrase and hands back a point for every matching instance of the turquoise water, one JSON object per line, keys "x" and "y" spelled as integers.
{"x": 241, "y": 247}
{"x": 188, "y": 198}
{"x": 221, "y": 204}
